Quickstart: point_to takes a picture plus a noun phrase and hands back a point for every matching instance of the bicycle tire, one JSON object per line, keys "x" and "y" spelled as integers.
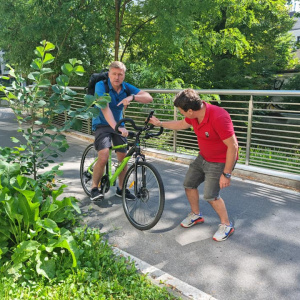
{"x": 88, "y": 156}
{"x": 145, "y": 211}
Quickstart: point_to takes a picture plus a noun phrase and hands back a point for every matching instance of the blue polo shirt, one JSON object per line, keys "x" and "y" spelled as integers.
{"x": 115, "y": 99}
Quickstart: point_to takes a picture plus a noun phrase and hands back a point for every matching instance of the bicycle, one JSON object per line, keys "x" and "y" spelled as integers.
{"x": 141, "y": 178}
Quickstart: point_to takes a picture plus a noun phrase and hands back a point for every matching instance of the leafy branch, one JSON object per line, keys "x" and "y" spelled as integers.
{"x": 42, "y": 101}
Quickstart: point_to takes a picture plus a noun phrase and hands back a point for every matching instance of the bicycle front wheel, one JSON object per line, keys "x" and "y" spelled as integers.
{"x": 145, "y": 183}
{"x": 89, "y": 156}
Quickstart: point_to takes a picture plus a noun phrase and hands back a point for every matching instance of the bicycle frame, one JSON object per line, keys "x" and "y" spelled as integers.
{"x": 112, "y": 177}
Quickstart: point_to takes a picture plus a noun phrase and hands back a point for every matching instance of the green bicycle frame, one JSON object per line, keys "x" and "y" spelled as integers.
{"x": 112, "y": 177}
{"x": 121, "y": 166}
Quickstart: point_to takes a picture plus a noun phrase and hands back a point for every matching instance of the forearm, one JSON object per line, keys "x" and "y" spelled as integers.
{"x": 108, "y": 115}
{"x": 231, "y": 156}
{"x": 143, "y": 97}
{"x": 173, "y": 125}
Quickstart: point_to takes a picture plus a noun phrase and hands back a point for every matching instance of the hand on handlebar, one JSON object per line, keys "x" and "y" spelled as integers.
{"x": 140, "y": 129}
{"x": 153, "y": 120}
{"x": 123, "y": 131}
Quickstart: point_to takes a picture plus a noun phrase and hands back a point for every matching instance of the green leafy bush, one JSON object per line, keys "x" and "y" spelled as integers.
{"x": 35, "y": 225}
{"x": 99, "y": 275}
{"x": 31, "y": 226}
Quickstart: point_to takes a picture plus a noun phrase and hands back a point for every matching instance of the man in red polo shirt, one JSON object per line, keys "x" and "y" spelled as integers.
{"x": 218, "y": 154}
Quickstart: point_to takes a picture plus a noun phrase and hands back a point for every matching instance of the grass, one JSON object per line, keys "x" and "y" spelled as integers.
{"x": 100, "y": 274}
{"x": 272, "y": 158}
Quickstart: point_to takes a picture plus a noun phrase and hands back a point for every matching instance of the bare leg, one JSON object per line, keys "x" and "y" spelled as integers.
{"x": 193, "y": 197}
{"x": 220, "y": 208}
{"x": 121, "y": 156}
{"x": 100, "y": 166}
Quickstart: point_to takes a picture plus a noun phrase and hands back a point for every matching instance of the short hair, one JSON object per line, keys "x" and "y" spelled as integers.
{"x": 188, "y": 99}
{"x": 117, "y": 65}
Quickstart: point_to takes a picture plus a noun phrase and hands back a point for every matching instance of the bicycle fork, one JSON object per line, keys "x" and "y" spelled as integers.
{"x": 139, "y": 189}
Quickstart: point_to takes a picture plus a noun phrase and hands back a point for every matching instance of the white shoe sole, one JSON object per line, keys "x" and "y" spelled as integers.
{"x": 97, "y": 198}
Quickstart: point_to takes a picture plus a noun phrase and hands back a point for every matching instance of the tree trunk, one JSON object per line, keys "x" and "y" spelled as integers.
{"x": 118, "y": 28}
{"x": 119, "y": 12}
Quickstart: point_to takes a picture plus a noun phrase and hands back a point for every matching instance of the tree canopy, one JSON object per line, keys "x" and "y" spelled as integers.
{"x": 203, "y": 44}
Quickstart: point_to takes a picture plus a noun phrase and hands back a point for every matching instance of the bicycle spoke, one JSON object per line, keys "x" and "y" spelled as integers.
{"x": 145, "y": 211}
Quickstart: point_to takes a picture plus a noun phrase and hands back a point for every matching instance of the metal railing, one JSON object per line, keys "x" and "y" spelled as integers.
{"x": 266, "y": 123}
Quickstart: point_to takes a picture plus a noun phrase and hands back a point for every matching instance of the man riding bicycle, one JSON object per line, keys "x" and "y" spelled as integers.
{"x": 105, "y": 123}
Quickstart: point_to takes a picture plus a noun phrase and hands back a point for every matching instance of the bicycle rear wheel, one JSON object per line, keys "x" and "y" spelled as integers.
{"x": 144, "y": 181}
{"x": 88, "y": 158}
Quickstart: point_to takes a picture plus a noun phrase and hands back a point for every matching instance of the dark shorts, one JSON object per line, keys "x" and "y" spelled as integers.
{"x": 105, "y": 137}
{"x": 200, "y": 171}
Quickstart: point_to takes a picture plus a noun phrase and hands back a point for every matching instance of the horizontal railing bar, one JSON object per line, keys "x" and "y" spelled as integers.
{"x": 274, "y": 136}
{"x": 276, "y": 124}
{"x": 270, "y": 147}
{"x": 274, "y": 162}
{"x": 275, "y": 117}
{"x": 235, "y": 108}
{"x": 277, "y": 130}
{"x": 239, "y": 115}
{"x": 278, "y": 111}
{"x": 275, "y": 102}
{"x": 287, "y": 93}
{"x": 264, "y": 158}
{"x": 259, "y": 154}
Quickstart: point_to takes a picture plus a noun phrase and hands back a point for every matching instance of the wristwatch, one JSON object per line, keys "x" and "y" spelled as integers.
{"x": 227, "y": 175}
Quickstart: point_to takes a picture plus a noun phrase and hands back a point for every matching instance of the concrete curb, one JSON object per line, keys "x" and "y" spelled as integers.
{"x": 175, "y": 286}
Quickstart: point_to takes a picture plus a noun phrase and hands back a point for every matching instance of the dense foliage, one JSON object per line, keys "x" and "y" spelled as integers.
{"x": 41, "y": 107}
{"x": 33, "y": 221}
{"x": 99, "y": 274}
{"x": 206, "y": 44}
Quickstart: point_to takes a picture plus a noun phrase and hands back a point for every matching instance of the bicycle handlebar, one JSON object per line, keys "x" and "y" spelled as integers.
{"x": 140, "y": 129}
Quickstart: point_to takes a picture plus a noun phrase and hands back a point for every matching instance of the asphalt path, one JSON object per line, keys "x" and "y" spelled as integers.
{"x": 259, "y": 261}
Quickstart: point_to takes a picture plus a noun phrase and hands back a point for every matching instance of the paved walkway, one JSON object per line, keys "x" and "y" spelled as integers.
{"x": 259, "y": 261}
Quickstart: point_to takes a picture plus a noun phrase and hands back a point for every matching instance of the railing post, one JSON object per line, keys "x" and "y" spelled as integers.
{"x": 89, "y": 127}
{"x": 175, "y": 132}
{"x": 249, "y": 130}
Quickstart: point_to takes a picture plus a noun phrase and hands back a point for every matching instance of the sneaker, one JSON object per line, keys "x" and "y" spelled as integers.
{"x": 224, "y": 232}
{"x": 191, "y": 220}
{"x": 128, "y": 195}
{"x": 96, "y": 194}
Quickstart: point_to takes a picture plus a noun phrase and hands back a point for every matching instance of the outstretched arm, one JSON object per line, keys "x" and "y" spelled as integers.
{"x": 174, "y": 125}
{"x": 141, "y": 97}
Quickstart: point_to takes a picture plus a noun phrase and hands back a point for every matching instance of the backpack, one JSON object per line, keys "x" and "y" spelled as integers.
{"x": 102, "y": 76}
